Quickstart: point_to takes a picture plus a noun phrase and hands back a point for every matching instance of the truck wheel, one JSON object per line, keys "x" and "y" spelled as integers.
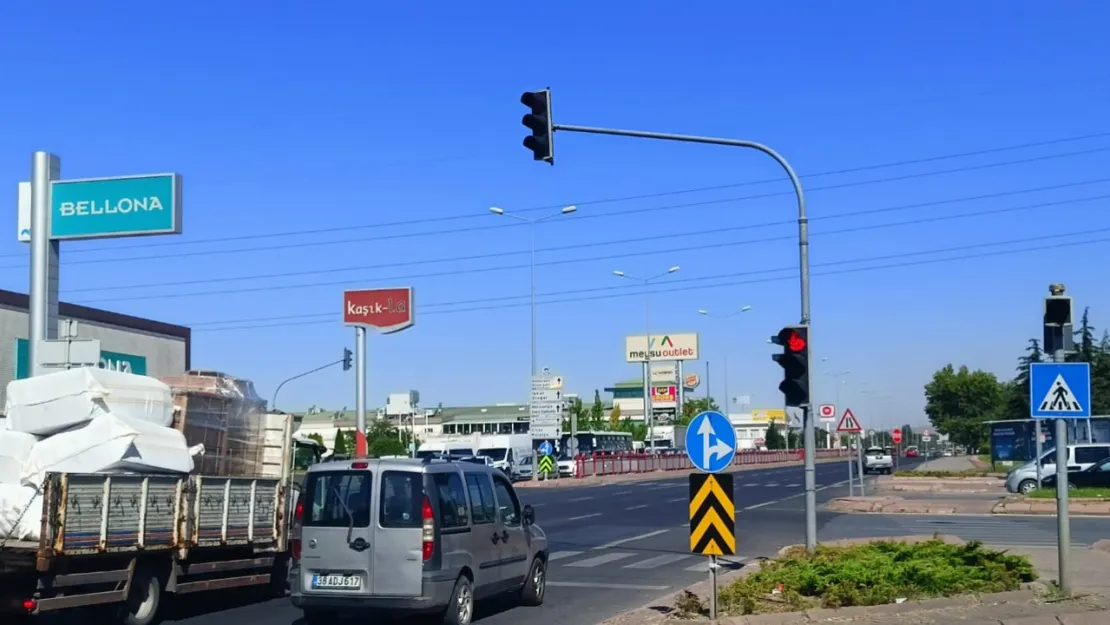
{"x": 141, "y": 607}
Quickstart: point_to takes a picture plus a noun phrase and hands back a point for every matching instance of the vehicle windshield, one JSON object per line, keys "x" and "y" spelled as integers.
{"x": 497, "y": 454}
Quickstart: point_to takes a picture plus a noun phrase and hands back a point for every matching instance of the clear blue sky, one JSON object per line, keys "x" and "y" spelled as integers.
{"x": 304, "y": 130}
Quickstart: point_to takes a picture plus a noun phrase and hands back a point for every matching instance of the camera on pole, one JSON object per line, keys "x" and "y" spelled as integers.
{"x": 794, "y": 361}
{"x": 1058, "y": 335}
{"x": 347, "y": 359}
{"x": 541, "y": 141}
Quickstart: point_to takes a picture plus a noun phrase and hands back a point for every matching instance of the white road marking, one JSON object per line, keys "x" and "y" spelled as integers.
{"x": 623, "y": 492}
{"x": 760, "y": 505}
{"x": 559, "y": 555}
{"x": 676, "y": 500}
{"x": 657, "y": 561}
{"x": 772, "y": 485}
{"x": 584, "y": 516}
{"x": 636, "y": 507}
{"x": 751, "y": 484}
{"x": 621, "y": 541}
{"x": 604, "y": 558}
{"x": 604, "y": 586}
{"x": 579, "y": 499}
{"x": 792, "y": 485}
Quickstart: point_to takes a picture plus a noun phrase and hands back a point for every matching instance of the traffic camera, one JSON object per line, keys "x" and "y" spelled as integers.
{"x": 541, "y": 141}
{"x": 794, "y": 361}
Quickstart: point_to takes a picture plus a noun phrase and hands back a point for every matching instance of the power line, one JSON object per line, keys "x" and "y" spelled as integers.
{"x": 696, "y": 247}
{"x": 563, "y": 248}
{"x": 578, "y": 217}
{"x": 577, "y": 295}
{"x": 629, "y": 198}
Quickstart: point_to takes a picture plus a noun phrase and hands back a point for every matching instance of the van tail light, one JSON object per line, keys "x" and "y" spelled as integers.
{"x": 428, "y": 528}
{"x": 295, "y": 531}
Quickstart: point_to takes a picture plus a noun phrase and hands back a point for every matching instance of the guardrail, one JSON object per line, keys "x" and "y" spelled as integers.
{"x": 601, "y": 463}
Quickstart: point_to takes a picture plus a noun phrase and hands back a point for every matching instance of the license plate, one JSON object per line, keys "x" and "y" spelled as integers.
{"x": 341, "y": 582}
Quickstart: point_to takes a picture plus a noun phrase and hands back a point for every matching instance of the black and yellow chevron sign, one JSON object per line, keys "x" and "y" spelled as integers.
{"x": 712, "y": 515}
{"x": 547, "y": 464}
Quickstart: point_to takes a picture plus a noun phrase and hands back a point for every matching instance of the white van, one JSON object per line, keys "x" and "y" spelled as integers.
{"x": 438, "y": 448}
{"x": 506, "y": 450}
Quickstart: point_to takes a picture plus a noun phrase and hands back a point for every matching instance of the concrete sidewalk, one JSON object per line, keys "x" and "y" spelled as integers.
{"x": 953, "y": 464}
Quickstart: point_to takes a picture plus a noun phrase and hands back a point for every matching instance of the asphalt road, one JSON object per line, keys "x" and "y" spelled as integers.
{"x": 613, "y": 547}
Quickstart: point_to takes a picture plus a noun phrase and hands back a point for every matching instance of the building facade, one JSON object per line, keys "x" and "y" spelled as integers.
{"x": 130, "y": 344}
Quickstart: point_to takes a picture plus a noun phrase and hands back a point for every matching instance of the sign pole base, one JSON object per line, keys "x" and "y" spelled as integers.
{"x": 712, "y": 588}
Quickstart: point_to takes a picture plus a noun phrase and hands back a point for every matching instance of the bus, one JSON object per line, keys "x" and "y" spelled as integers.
{"x": 597, "y": 441}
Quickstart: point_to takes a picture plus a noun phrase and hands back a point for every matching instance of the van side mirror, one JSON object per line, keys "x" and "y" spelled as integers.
{"x": 528, "y": 515}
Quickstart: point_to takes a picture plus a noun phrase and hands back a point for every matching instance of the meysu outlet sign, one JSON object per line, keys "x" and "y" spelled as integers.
{"x": 123, "y": 206}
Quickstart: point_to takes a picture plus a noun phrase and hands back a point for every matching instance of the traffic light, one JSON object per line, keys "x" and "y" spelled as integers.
{"x": 541, "y": 141}
{"x": 794, "y": 361}
{"x": 1057, "y": 322}
{"x": 347, "y": 359}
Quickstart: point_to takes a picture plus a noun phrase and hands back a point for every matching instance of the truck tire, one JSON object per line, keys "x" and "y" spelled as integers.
{"x": 145, "y": 598}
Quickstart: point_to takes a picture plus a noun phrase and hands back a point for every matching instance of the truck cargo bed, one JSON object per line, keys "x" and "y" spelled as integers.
{"x": 85, "y": 514}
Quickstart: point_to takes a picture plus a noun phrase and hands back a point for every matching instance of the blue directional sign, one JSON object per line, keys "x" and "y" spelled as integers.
{"x": 710, "y": 442}
{"x": 125, "y": 206}
{"x": 1059, "y": 390}
{"x": 546, "y": 448}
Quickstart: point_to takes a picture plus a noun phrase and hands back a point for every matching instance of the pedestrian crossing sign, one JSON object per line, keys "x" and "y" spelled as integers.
{"x": 1059, "y": 390}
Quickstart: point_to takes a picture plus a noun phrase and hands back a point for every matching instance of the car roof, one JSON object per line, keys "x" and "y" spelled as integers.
{"x": 426, "y": 465}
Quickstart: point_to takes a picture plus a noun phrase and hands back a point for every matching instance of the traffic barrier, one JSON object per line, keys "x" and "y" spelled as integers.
{"x": 619, "y": 463}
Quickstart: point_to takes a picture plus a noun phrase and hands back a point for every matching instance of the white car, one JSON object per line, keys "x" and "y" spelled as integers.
{"x": 878, "y": 460}
{"x": 568, "y": 467}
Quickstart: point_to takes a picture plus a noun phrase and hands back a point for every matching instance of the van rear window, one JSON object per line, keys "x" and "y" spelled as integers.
{"x": 332, "y": 498}
{"x": 402, "y": 499}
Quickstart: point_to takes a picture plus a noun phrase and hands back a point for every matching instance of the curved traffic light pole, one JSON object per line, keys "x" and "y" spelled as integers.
{"x": 803, "y": 257}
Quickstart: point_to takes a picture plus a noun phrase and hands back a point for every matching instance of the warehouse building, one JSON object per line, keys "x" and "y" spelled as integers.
{"x": 130, "y": 344}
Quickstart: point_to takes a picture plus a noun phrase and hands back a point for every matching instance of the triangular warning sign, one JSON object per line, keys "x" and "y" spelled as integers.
{"x": 1060, "y": 398}
{"x": 849, "y": 424}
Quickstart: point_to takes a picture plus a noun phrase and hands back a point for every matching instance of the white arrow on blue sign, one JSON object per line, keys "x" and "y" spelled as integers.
{"x": 546, "y": 448}
{"x": 710, "y": 442}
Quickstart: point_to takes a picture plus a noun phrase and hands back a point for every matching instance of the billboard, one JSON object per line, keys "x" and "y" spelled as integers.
{"x": 664, "y": 373}
{"x": 384, "y": 310}
{"x": 661, "y": 346}
{"x": 664, "y": 396}
{"x": 766, "y": 415}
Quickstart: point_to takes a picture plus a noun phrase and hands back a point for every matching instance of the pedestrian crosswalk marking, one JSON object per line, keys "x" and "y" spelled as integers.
{"x": 559, "y": 555}
{"x": 604, "y": 558}
{"x": 1060, "y": 398}
{"x": 657, "y": 561}
{"x": 725, "y": 563}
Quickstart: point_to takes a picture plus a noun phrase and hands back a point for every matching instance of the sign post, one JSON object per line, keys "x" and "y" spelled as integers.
{"x": 1061, "y": 391}
{"x": 387, "y": 311}
{"x": 97, "y": 208}
{"x": 850, "y": 425}
{"x": 711, "y": 446}
{"x": 545, "y": 418}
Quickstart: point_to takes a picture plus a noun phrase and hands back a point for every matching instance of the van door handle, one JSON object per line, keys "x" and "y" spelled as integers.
{"x": 504, "y": 536}
{"x": 496, "y": 537}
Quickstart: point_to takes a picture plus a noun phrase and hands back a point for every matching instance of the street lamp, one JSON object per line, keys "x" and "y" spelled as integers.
{"x": 532, "y": 221}
{"x": 648, "y": 417}
{"x": 706, "y": 313}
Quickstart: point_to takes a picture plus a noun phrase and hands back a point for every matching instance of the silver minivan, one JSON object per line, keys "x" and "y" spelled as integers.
{"x": 1023, "y": 480}
{"x": 411, "y": 535}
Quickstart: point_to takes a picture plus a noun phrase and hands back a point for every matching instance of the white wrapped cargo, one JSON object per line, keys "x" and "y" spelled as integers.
{"x": 15, "y": 449}
{"x": 55, "y": 402}
{"x": 109, "y": 443}
{"x": 20, "y": 512}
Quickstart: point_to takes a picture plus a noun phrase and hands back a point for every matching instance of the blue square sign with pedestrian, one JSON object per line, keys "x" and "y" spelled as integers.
{"x": 1059, "y": 390}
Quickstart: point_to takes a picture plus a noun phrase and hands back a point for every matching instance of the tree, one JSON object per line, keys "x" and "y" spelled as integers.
{"x": 637, "y": 430}
{"x": 597, "y": 412}
{"x": 615, "y": 418}
{"x": 383, "y": 439}
{"x": 773, "y": 438}
{"x": 959, "y": 402}
{"x": 343, "y": 446}
{"x": 692, "y": 407}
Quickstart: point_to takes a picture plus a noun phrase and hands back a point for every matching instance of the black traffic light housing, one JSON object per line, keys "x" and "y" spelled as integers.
{"x": 542, "y": 139}
{"x": 794, "y": 361}
{"x": 347, "y": 359}
{"x": 1058, "y": 333}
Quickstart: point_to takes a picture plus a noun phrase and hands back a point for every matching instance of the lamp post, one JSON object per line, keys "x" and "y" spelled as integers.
{"x": 649, "y": 419}
{"x": 532, "y": 221}
{"x": 725, "y": 318}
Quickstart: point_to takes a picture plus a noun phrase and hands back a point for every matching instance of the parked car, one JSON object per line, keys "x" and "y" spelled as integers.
{"x": 405, "y": 536}
{"x": 1023, "y": 479}
{"x": 1095, "y": 476}
{"x": 523, "y": 469}
{"x": 878, "y": 460}
{"x": 568, "y": 466}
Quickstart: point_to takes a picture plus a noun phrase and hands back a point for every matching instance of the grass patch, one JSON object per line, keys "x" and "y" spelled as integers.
{"x": 964, "y": 473}
{"x": 873, "y": 574}
{"x": 1074, "y": 493}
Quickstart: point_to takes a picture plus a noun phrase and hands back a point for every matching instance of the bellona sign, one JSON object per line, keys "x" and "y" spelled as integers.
{"x": 123, "y": 206}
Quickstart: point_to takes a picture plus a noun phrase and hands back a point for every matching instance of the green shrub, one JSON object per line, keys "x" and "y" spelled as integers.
{"x": 873, "y": 574}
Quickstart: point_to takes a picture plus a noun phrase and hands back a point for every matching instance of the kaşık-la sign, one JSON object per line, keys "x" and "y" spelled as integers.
{"x": 121, "y": 206}
{"x": 384, "y": 310}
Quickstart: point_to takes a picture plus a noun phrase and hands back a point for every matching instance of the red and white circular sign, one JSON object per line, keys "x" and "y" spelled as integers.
{"x": 826, "y": 411}
{"x": 897, "y": 435}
